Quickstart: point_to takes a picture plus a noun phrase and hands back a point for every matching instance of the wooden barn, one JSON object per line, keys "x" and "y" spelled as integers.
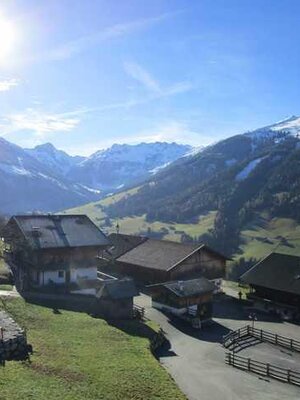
{"x": 191, "y": 300}
{"x": 115, "y": 298}
{"x": 275, "y": 284}
{"x": 54, "y": 252}
{"x": 155, "y": 261}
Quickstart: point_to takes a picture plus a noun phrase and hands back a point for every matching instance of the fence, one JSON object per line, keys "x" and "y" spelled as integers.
{"x": 138, "y": 312}
{"x": 264, "y": 369}
{"x": 263, "y": 336}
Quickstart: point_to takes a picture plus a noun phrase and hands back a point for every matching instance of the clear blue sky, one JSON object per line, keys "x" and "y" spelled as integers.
{"x": 86, "y": 74}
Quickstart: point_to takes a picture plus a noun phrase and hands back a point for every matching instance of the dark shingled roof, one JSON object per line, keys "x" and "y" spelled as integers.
{"x": 193, "y": 287}
{"x": 118, "y": 289}
{"x": 161, "y": 254}
{"x": 277, "y": 271}
{"x": 53, "y": 231}
{"x": 122, "y": 243}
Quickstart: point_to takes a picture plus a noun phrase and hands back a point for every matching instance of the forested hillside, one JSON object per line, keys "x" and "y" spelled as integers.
{"x": 241, "y": 195}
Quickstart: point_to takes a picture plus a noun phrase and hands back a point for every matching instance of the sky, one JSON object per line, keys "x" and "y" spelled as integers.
{"x": 86, "y": 74}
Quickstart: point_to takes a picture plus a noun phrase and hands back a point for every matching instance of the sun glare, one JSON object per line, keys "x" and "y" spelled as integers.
{"x": 7, "y": 38}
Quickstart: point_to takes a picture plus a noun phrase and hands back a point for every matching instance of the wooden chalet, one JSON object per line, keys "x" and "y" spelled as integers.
{"x": 275, "y": 284}
{"x": 154, "y": 261}
{"x": 54, "y": 252}
{"x": 190, "y": 299}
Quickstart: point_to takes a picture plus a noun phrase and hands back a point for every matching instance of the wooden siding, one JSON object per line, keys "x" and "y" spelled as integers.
{"x": 201, "y": 263}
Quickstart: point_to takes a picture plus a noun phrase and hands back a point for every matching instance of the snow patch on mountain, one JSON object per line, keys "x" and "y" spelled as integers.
{"x": 123, "y": 164}
{"x": 291, "y": 125}
{"x": 57, "y": 160}
{"x": 14, "y": 169}
{"x": 278, "y": 131}
{"x": 244, "y": 173}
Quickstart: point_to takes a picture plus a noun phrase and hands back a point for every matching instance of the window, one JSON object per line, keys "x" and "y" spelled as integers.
{"x": 61, "y": 274}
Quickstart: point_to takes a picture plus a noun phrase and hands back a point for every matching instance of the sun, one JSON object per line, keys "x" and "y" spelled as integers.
{"x": 7, "y": 38}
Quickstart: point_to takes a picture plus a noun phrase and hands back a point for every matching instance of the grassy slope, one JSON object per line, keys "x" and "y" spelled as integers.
{"x": 78, "y": 357}
{"x": 259, "y": 238}
{"x": 135, "y": 225}
{"x": 264, "y": 236}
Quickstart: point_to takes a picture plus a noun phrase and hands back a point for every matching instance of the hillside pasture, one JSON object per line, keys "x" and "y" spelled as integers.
{"x": 79, "y": 357}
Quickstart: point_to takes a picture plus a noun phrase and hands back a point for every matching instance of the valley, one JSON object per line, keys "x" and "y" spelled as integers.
{"x": 240, "y": 195}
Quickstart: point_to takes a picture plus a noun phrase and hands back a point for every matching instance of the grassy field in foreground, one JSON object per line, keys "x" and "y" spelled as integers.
{"x": 79, "y": 357}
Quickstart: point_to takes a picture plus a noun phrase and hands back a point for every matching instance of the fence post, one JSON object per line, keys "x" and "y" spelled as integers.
{"x": 229, "y": 358}
{"x": 248, "y": 330}
{"x": 276, "y": 339}
{"x": 268, "y": 369}
{"x": 249, "y": 364}
{"x": 261, "y": 335}
{"x": 292, "y": 344}
{"x": 288, "y": 376}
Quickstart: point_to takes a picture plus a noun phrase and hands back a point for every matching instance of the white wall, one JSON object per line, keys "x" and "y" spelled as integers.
{"x": 47, "y": 276}
{"x": 75, "y": 275}
{"x": 83, "y": 273}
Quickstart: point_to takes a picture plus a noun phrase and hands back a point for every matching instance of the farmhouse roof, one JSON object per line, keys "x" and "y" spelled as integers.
{"x": 57, "y": 231}
{"x": 122, "y": 243}
{"x": 117, "y": 289}
{"x": 189, "y": 288}
{"x": 161, "y": 254}
{"x": 277, "y": 271}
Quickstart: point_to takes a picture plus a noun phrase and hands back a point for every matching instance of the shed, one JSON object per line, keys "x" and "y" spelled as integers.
{"x": 190, "y": 298}
{"x": 115, "y": 298}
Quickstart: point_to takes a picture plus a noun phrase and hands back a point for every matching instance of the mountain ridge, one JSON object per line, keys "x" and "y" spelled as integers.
{"x": 237, "y": 177}
{"x": 46, "y": 179}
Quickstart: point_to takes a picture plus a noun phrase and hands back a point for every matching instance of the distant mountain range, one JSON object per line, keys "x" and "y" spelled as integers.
{"x": 255, "y": 173}
{"x": 47, "y": 179}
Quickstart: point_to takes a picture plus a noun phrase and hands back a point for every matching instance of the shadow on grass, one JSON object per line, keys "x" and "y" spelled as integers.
{"x": 58, "y": 302}
{"x": 139, "y": 328}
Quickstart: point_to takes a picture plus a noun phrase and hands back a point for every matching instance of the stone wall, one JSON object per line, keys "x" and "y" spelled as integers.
{"x": 13, "y": 342}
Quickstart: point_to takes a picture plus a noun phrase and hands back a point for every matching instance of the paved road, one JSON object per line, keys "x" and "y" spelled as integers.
{"x": 196, "y": 358}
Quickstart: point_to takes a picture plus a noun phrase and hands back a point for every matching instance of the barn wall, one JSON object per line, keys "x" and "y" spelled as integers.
{"x": 115, "y": 309}
{"x": 140, "y": 274}
{"x": 202, "y": 263}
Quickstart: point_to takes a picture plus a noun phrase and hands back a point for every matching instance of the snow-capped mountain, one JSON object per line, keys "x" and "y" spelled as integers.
{"x": 28, "y": 185}
{"x": 123, "y": 164}
{"x": 57, "y": 160}
{"x": 286, "y": 127}
{"x": 48, "y": 179}
{"x": 240, "y": 178}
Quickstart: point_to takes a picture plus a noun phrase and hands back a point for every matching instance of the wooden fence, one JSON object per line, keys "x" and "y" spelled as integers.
{"x": 264, "y": 369}
{"x": 138, "y": 312}
{"x": 263, "y": 336}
